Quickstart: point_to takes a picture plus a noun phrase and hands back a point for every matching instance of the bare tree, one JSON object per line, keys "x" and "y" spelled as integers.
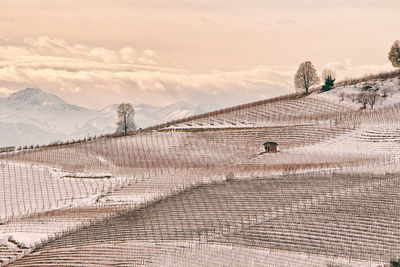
{"x": 385, "y": 92}
{"x": 328, "y": 73}
{"x": 394, "y": 54}
{"x": 352, "y": 97}
{"x": 388, "y": 91}
{"x": 371, "y": 99}
{"x": 367, "y": 99}
{"x": 126, "y": 115}
{"x": 306, "y": 76}
{"x": 362, "y": 99}
{"x": 341, "y": 95}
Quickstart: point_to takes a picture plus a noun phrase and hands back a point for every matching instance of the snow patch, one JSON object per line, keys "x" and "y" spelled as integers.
{"x": 27, "y": 239}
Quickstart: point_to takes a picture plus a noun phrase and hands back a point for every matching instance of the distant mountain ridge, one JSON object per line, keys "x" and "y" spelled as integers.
{"x": 32, "y": 116}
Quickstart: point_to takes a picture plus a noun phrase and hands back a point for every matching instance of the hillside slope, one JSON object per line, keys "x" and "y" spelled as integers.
{"x": 165, "y": 195}
{"x": 296, "y": 108}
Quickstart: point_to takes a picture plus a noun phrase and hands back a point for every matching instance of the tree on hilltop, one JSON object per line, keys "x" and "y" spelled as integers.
{"x": 306, "y": 76}
{"x": 394, "y": 54}
{"x": 126, "y": 115}
{"x": 329, "y": 77}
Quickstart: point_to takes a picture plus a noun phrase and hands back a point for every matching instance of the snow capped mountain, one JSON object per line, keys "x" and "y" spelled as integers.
{"x": 32, "y": 116}
{"x": 35, "y": 97}
{"x": 45, "y": 111}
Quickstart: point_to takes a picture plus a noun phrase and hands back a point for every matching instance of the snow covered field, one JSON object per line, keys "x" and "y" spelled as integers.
{"x": 387, "y": 90}
{"x": 56, "y": 199}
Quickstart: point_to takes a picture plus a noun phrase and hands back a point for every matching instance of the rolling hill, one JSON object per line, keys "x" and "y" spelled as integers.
{"x": 201, "y": 191}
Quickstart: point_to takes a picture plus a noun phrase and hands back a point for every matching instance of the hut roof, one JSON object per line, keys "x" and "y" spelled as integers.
{"x": 271, "y": 143}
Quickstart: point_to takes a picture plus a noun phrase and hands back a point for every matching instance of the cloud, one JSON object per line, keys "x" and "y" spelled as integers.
{"x": 97, "y": 76}
{"x": 149, "y": 57}
{"x": 350, "y": 69}
{"x": 102, "y": 76}
{"x": 284, "y": 22}
{"x": 4, "y": 92}
{"x": 45, "y": 46}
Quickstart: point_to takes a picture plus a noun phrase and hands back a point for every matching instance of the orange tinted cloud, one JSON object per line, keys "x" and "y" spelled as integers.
{"x": 104, "y": 75}
{"x": 102, "y": 51}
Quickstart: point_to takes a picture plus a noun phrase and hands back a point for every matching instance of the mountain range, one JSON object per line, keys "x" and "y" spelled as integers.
{"x": 32, "y": 116}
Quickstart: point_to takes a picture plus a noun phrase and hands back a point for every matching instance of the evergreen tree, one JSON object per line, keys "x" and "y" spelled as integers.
{"x": 329, "y": 82}
{"x": 395, "y": 263}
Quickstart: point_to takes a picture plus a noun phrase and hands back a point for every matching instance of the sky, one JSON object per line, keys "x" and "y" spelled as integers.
{"x": 99, "y": 52}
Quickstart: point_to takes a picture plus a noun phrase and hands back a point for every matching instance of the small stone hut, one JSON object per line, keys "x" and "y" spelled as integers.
{"x": 271, "y": 147}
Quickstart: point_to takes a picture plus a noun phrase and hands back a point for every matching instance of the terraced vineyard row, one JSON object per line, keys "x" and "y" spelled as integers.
{"x": 288, "y": 111}
{"x": 166, "y": 195}
{"x": 264, "y": 213}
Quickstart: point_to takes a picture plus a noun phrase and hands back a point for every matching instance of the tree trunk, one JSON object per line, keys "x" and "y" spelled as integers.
{"x": 125, "y": 126}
